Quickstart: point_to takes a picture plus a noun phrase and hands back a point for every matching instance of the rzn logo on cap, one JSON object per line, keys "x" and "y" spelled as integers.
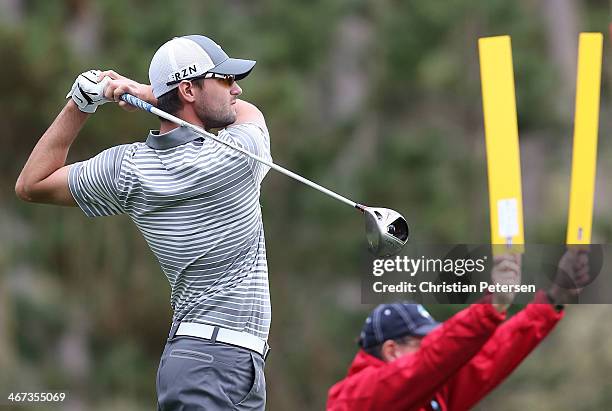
{"x": 184, "y": 72}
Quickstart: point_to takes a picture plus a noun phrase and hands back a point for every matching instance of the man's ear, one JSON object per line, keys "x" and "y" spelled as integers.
{"x": 186, "y": 92}
{"x": 387, "y": 350}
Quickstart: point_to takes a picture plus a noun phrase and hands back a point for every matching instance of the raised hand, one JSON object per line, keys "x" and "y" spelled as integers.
{"x": 572, "y": 275}
{"x": 88, "y": 91}
{"x": 506, "y": 271}
{"x": 119, "y": 85}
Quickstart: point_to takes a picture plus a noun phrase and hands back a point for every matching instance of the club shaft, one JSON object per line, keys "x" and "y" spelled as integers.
{"x": 143, "y": 105}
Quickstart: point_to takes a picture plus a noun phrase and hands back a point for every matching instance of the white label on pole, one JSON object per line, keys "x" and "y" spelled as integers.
{"x": 507, "y": 217}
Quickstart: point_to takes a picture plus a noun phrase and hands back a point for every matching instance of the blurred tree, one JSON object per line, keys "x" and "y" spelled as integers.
{"x": 561, "y": 21}
{"x": 83, "y": 27}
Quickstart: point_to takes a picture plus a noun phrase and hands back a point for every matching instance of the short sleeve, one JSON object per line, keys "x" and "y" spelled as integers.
{"x": 255, "y": 139}
{"x": 93, "y": 183}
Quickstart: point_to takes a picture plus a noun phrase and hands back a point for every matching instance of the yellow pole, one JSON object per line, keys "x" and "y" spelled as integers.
{"x": 501, "y": 134}
{"x": 584, "y": 154}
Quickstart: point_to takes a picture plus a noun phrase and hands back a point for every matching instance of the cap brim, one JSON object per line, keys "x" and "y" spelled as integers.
{"x": 423, "y": 330}
{"x": 235, "y": 67}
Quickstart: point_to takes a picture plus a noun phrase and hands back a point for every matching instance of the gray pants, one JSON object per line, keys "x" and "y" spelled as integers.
{"x": 196, "y": 374}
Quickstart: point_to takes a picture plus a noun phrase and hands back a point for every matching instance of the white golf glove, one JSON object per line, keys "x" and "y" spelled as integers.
{"x": 87, "y": 93}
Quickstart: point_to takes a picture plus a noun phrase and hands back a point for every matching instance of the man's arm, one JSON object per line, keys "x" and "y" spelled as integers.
{"x": 119, "y": 85}
{"x": 249, "y": 113}
{"x": 418, "y": 377}
{"x": 515, "y": 339}
{"x": 44, "y": 178}
{"x": 412, "y": 380}
{"x": 506, "y": 349}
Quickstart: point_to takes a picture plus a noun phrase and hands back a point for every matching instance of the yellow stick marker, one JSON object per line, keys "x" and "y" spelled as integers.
{"x": 586, "y": 123}
{"x": 501, "y": 132}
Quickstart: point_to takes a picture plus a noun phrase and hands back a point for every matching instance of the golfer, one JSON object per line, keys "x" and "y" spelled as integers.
{"x": 408, "y": 361}
{"x": 195, "y": 201}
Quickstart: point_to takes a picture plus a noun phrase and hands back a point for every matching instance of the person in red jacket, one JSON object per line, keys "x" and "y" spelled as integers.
{"x": 408, "y": 361}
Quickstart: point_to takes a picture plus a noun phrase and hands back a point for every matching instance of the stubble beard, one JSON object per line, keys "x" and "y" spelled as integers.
{"x": 215, "y": 117}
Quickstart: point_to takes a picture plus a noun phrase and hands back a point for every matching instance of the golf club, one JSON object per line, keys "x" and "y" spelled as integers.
{"x": 386, "y": 230}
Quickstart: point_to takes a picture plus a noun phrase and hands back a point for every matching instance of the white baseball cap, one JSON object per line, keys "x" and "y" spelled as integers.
{"x": 189, "y": 57}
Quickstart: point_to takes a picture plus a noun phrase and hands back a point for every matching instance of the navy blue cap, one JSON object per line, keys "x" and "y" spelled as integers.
{"x": 389, "y": 321}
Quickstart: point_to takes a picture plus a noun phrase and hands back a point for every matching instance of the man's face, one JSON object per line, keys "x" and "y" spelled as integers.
{"x": 215, "y": 103}
{"x": 392, "y": 350}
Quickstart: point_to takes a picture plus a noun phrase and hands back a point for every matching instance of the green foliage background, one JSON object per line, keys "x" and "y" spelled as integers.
{"x": 376, "y": 99}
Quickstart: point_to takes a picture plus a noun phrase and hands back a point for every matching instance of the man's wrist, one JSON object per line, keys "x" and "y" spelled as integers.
{"x": 152, "y": 98}
{"x": 72, "y": 107}
{"x": 146, "y": 93}
{"x": 502, "y": 298}
{"x": 501, "y": 308}
{"x": 554, "y": 300}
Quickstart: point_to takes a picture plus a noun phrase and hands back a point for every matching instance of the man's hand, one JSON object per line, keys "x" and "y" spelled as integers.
{"x": 572, "y": 275}
{"x": 506, "y": 271}
{"x": 119, "y": 85}
{"x": 88, "y": 91}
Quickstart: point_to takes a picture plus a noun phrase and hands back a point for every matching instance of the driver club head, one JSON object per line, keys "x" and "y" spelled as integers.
{"x": 386, "y": 231}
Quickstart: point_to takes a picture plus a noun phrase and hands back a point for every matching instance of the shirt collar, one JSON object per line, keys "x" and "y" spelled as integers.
{"x": 173, "y": 138}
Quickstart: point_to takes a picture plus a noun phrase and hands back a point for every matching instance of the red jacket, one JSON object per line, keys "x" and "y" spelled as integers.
{"x": 455, "y": 367}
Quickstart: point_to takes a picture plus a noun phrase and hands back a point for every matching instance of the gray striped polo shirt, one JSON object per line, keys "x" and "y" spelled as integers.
{"x": 197, "y": 204}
